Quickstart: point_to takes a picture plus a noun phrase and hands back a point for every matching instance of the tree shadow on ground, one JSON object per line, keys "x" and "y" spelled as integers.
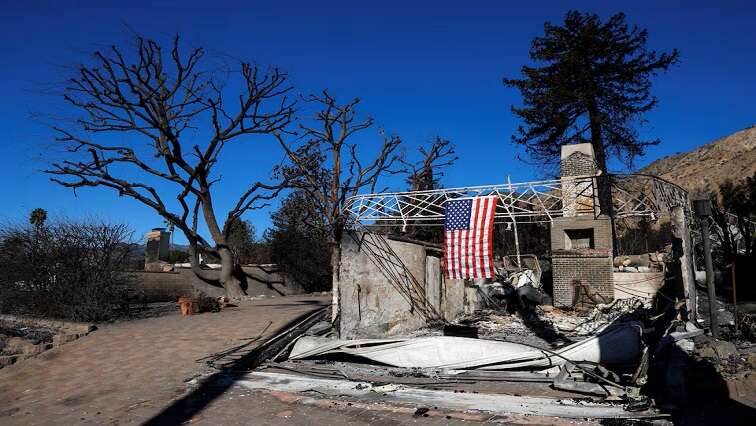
{"x": 215, "y": 385}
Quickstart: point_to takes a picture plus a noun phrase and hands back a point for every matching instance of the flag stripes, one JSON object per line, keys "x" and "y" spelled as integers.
{"x": 468, "y": 245}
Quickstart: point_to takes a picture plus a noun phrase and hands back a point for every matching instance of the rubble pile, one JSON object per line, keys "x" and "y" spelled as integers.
{"x": 22, "y": 337}
{"x": 544, "y": 325}
{"x": 20, "y": 341}
{"x": 529, "y": 329}
{"x": 600, "y": 317}
{"x": 747, "y": 326}
{"x": 646, "y": 262}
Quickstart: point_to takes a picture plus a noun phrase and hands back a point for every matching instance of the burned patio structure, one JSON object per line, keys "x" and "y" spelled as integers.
{"x": 400, "y": 331}
{"x": 387, "y": 285}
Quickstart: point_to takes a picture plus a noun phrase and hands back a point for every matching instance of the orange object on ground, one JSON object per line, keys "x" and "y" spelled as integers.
{"x": 189, "y": 306}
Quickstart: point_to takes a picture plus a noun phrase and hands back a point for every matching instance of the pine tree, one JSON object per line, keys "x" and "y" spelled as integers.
{"x": 592, "y": 84}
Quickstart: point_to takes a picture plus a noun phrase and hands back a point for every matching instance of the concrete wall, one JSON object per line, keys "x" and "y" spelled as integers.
{"x": 264, "y": 280}
{"x": 473, "y": 300}
{"x": 434, "y": 282}
{"x": 454, "y": 299}
{"x": 370, "y": 304}
{"x": 268, "y": 280}
{"x": 371, "y": 301}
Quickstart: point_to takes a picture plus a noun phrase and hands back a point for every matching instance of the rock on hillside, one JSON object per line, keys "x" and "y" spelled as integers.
{"x": 732, "y": 157}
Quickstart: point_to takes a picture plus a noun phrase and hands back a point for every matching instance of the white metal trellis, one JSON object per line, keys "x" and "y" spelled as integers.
{"x": 538, "y": 201}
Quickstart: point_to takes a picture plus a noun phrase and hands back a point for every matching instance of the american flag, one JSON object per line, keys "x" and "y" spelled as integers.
{"x": 468, "y": 249}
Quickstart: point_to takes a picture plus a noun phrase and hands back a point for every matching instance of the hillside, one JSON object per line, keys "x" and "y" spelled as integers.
{"x": 731, "y": 157}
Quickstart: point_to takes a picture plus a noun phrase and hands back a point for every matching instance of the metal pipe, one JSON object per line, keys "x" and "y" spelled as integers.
{"x": 514, "y": 221}
{"x": 734, "y": 296}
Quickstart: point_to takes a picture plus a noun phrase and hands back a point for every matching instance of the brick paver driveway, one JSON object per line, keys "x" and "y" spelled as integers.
{"x": 128, "y": 372}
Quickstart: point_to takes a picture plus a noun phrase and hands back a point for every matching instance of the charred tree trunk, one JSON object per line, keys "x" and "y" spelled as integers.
{"x": 337, "y": 234}
{"x": 228, "y": 279}
{"x": 204, "y": 275}
{"x": 603, "y": 181}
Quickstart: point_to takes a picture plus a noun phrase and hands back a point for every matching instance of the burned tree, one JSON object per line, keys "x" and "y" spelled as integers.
{"x": 734, "y": 215}
{"x": 425, "y": 173}
{"x": 326, "y": 164}
{"x": 140, "y": 119}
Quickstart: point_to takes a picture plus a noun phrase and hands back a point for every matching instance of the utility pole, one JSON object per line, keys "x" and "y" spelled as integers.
{"x": 702, "y": 209}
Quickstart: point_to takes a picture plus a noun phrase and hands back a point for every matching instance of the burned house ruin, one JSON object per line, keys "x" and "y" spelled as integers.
{"x": 403, "y": 331}
{"x": 387, "y": 287}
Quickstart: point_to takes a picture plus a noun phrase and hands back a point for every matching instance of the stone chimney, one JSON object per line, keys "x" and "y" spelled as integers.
{"x": 581, "y": 240}
{"x": 577, "y": 164}
{"x": 158, "y": 249}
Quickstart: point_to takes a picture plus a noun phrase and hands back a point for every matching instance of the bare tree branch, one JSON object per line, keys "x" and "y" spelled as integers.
{"x": 152, "y": 98}
{"x": 329, "y": 168}
{"x": 424, "y": 174}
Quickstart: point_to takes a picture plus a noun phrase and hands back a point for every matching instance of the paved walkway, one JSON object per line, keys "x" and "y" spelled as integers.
{"x": 128, "y": 372}
{"x": 143, "y": 371}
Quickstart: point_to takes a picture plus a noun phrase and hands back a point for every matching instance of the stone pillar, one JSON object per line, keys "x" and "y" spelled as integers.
{"x": 157, "y": 250}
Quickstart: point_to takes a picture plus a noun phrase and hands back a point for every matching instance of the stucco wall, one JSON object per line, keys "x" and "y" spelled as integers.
{"x": 370, "y": 304}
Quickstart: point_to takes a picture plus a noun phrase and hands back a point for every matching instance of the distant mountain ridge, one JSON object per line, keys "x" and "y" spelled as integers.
{"x": 707, "y": 167}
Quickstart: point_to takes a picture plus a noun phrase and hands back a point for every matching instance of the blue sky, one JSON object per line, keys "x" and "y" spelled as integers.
{"x": 420, "y": 68}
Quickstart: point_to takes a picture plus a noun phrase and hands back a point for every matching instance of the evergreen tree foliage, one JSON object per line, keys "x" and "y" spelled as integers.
{"x": 591, "y": 83}
{"x": 299, "y": 242}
